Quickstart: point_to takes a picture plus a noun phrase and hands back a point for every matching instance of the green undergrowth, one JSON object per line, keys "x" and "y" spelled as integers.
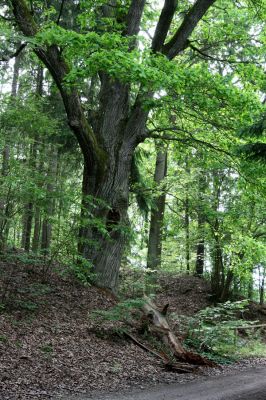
{"x": 220, "y": 333}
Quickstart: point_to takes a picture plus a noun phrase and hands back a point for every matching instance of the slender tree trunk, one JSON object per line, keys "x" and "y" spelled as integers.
{"x": 200, "y": 254}
{"x": 250, "y": 287}
{"x": 218, "y": 279}
{"x": 226, "y": 291}
{"x": 36, "y": 229}
{"x": 46, "y": 235}
{"x": 28, "y": 226}
{"x": 5, "y": 208}
{"x": 262, "y": 286}
{"x": 29, "y": 207}
{"x": 157, "y": 214}
{"x": 37, "y": 211}
{"x": 187, "y": 232}
{"x": 217, "y": 273}
{"x": 200, "y": 251}
{"x": 187, "y": 218}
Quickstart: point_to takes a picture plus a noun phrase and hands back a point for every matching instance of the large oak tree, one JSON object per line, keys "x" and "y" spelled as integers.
{"x": 108, "y": 137}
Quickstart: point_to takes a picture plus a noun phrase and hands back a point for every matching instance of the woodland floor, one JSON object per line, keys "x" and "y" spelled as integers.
{"x": 49, "y": 345}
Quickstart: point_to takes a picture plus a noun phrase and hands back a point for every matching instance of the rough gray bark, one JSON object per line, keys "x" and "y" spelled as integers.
{"x": 157, "y": 214}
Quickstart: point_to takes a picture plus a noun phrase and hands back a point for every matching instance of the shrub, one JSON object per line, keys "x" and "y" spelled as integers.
{"x": 213, "y": 330}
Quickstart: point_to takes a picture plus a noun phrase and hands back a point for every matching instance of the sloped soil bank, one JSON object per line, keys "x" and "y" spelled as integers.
{"x": 49, "y": 345}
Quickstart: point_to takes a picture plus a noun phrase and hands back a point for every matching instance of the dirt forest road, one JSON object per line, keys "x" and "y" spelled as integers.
{"x": 243, "y": 385}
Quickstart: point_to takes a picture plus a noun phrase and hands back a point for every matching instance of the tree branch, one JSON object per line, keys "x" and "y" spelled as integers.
{"x": 168, "y": 128}
{"x": 180, "y": 39}
{"x": 189, "y": 142}
{"x": 163, "y": 24}
{"x": 15, "y": 54}
{"x": 60, "y": 12}
{"x": 205, "y": 55}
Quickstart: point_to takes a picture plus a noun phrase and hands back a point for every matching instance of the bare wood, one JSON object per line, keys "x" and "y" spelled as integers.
{"x": 159, "y": 326}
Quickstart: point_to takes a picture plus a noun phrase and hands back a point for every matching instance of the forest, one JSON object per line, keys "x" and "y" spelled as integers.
{"x": 132, "y": 183}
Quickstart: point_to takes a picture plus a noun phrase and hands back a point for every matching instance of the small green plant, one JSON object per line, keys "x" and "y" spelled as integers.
{"x": 137, "y": 281}
{"x": 116, "y": 367}
{"x": 82, "y": 270}
{"x": 123, "y": 311}
{"x": 26, "y": 305}
{"x": 3, "y": 338}
{"x": 47, "y": 348}
{"x": 253, "y": 348}
{"x": 36, "y": 289}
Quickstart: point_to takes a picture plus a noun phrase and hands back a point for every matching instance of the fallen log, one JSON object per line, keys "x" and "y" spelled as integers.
{"x": 159, "y": 326}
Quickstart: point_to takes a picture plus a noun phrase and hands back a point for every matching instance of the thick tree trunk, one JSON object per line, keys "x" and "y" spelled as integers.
{"x": 157, "y": 214}
{"x": 118, "y": 128}
{"x": 103, "y": 246}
